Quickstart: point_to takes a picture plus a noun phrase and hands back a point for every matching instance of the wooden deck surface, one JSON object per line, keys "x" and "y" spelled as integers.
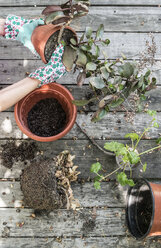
{"x": 128, "y": 25}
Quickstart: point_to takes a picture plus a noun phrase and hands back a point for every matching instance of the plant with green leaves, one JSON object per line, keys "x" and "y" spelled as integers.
{"x": 128, "y": 156}
{"x": 111, "y": 82}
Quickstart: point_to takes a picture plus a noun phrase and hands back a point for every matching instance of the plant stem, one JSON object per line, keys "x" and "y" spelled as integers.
{"x": 152, "y": 149}
{"x": 112, "y": 173}
{"x": 146, "y": 130}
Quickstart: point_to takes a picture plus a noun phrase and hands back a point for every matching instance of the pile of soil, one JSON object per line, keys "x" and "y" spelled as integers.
{"x": 46, "y": 118}
{"x": 12, "y": 153}
{"x": 52, "y": 42}
{"x": 40, "y": 188}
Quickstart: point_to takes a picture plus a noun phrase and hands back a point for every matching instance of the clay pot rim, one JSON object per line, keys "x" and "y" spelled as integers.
{"x": 51, "y": 138}
{"x": 127, "y": 209}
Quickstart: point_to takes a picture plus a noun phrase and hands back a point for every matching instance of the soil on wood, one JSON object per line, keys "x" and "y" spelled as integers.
{"x": 40, "y": 188}
{"x": 144, "y": 211}
{"x": 46, "y": 118}
{"x": 11, "y": 152}
{"x": 52, "y": 42}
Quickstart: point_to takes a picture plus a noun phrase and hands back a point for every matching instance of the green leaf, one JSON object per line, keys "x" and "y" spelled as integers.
{"x": 126, "y": 70}
{"x": 90, "y": 66}
{"x": 88, "y": 32}
{"x": 97, "y": 51}
{"x": 122, "y": 151}
{"x": 73, "y": 41}
{"x": 80, "y": 102}
{"x": 158, "y": 140}
{"x": 98, "y": 178}
{"x": 96, "y": 167}
{"x": 85, "y": 48}
{"x": 155, "y": 124}
{"x": 104, "y": 72}
{"x": 69, "y": 57}
{"x": 147, "y": 74}
{"x": 133, "y": 157}
{"x": 102, "y": 113}
{"x": 106, "y": 42}
{"x": 132, "y": 136}
{"x": 116, "y": 103}
{"x": 144, "y": 167}
{"x": 82, "y": 59}
{"x": 113, "y": 146}
{"x": 123, "y": 180}
{"x": 97, "y": 82}
{"x": 51, "y": 17}
{"x": 100, "y": 32}
{"x": 97, "y": 185}
{"x": 151, "y": 112}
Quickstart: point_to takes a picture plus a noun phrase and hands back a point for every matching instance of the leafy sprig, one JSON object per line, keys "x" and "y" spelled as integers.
{"x": 128, "y": 155}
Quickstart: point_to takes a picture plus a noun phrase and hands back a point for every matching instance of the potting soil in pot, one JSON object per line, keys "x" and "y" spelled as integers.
{"x": 39, "y": 187}
{"x": 52, "y": 42}
{"x": 46, "y": 118}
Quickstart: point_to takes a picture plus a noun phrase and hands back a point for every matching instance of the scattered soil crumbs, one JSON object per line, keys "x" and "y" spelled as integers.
{"x": 46, "y": 118}
{"x": 52, "y": 42}
{"x": 46, "y": 185}
{"x": 11, "y": 152}
{"x": 88, "y": 226}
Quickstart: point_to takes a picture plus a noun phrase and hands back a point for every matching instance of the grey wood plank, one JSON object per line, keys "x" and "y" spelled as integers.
{"x": 127, "y": 19}
{"x": 85, "y": 155}
{"x": 107, "y": 222}
{"x": 109, "y": 195}
{"x": 88, "y": 242}
{"x": 130, "y": 44}
{"x": 93, "y": 2}
{"x": 153, "y": 98}
{"x": 113, "y": 126}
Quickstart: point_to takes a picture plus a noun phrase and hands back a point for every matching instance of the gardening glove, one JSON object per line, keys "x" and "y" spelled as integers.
{"x": 53, "y": 70}
{"x": 18, "y": 28}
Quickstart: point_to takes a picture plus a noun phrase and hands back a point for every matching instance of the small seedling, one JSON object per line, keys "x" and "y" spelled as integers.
{"x": 128, "y": 154}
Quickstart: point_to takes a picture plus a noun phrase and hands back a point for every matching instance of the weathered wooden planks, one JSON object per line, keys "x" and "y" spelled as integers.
{"x": 113, "y": 126}
{"x": 130, "y": 44}
{"x": 106, "y": 223}
{"x": 85, "y": 155}
{"x": 87, "y": 242}
{"x": 125, "y": 19}
{"x": 109, "y": 195}
{"x": 93, "y": 2}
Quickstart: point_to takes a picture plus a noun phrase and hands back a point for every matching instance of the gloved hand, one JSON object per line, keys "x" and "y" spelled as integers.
{"x": 18, "y": 28}
{"x": 53, "y": 70}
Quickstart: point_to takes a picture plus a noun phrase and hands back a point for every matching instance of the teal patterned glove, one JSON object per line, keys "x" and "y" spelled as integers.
{"x": 18, "y": 28}
{"x": 53, "y": 70}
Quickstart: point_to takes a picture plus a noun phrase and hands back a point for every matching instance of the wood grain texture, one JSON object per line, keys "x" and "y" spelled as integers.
{"x": 110, "y": 195}
{"x": 130, "y": 44}
{"x": 106, "y": 223}
{"x": 112, "y": 126}
{"x": 85, "y": 155}
{"x": 87, "y": 242}
{"x": 93, "y": 2}
{"x": 115, "y": 19}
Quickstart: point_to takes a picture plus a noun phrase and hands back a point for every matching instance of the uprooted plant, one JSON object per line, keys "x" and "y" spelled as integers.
{"x": 112, "y": 82}
{"x": 127, "y": 156}
{"x": 46, "y": 184}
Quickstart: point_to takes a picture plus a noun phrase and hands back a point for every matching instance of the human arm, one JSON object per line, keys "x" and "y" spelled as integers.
{"x": 14, "y": 93}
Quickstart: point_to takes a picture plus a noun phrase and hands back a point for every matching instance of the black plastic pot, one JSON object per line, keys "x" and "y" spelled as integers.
{"x": 143, "y": 212}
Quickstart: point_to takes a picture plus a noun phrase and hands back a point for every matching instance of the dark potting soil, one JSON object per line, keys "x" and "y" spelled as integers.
{"x": 46, "y": 118}
{"x": 52, "y": 42}
{"x": 144, "y": 210}
{"x": 12, "y": 153}
{"x": 40, "y": 188}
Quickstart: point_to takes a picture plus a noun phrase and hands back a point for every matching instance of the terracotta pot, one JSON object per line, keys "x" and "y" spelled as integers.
{"x": 40, "y": 36}
{"x": 54, "y": 90}
{"x": 144, "y": 196}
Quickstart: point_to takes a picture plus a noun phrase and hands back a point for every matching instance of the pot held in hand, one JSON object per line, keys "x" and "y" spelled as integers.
{"x": 34, "y": 123}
